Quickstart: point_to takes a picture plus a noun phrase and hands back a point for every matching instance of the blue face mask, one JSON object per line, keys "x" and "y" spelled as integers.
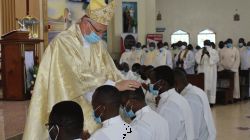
{"x": 98, "y": 119}
{"x": 129, "y": 113}
{"x": 248, "y": 48}
{"x": 229, "y": 45}
{"x": 152, "y": 90}
{"x": 92, "y": 38}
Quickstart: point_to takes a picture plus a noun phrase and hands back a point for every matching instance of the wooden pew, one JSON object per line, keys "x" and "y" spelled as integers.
{"x": 225, "y": 87}
{"x": 244, "y": 84}
{"x": 196, "y": 79}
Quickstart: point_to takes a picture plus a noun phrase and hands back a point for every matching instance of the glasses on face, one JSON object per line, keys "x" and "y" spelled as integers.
{"x": 96, "y": 30}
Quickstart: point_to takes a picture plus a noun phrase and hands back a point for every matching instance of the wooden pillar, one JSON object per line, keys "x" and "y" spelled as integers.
{"x": 8, "y": 16}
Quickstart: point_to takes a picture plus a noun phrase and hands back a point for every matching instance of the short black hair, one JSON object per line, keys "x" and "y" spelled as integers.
{"x": 207, "y": 43}
{"x": 180, "y": 74}
{"x": 248, "y": 43}
{"x": 138, "y": 45}
{"x": 165, "y": 43}
{"x": 107, "y": 95}
{"x": 137, "y": 94}
{"x": 69, "y": 115}
{"x": 136, "y": 67}
{"x": 152, "y": 44}
{"x": 221, "y": 44}
{"x": 164, "y": 73}
{"x": 229, "y": 40}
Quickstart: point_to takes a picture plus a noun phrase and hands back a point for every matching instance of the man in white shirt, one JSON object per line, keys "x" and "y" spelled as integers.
{"x": 204, "y": 128}
{"x": 172, "y": 106}
{"x": 136, "y": 54}
{"x": 245, "y": 57}
{"x": 207, "y": 59}
{"x": 66, "y": 121}
{"x": 163, "y": 56}
{"x": 230, "y": 60}
{"x": 149, "y": 124}
{"x": 185, "y": 59}
{"x": 150, "y": 54}
{"x": 106, "y": 104}
{"x": 126, "y": 56}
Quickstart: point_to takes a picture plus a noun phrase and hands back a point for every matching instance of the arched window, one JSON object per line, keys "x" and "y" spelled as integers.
{"x": 179, "y": 36}
{"x": 205, "y": 35}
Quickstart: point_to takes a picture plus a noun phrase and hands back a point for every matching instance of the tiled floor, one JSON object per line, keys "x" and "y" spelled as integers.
{"x": 232, "y": 121}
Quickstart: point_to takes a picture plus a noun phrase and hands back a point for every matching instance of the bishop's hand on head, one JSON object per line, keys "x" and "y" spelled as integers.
{"x": 127, "y": 85}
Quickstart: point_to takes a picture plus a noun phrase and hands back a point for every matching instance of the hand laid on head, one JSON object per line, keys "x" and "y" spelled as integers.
{"x": 127, "y": 85}
{"x": 145, "y": 86}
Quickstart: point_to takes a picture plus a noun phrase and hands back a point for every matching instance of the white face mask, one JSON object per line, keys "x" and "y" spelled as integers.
{"x": 57, "y": 133}
{"x": 183, "y": 47}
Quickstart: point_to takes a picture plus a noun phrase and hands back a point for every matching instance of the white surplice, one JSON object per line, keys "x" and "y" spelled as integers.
{"x": 150, "y": 125}
{"x": 149, "y": 57}
{"x": 204, "y": 128}
{"x": 115, "y": 129}
{"x": 245, "y": 58}
{"x": 126, "y": 57}
{"x": 208, "y": 66}
{"x": 163, "y": 57}
{"x": 176, "y": 110}
{"x": 136, "y": 56}
{"x": 230, "y": 60}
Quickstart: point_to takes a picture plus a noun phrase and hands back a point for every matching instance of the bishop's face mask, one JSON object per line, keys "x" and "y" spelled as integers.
{"x": 92, "y": 37}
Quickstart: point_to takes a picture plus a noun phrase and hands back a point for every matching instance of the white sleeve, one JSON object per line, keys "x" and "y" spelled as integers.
{"x": 88, "y": 95}
{"x": 169, "y": 59}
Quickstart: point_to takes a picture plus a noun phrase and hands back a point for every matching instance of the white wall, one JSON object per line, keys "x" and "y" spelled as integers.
{"x": 146, "y": 23}
{"x": 194, "y": 16}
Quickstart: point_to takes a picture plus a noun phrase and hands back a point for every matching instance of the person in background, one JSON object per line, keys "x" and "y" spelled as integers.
{"x": 245, "y": 57}
{"x": 172, "y": 106}
{"x": 213, "y": 45}
{"x": 66, "y": 121}
{"x": 126, "y": 56}
{"x": 149, "y": 124}
{"x": 190, "y": 47}
{"x": 137, "y": 54}
{"x": 204, "y": 128}
{"x": 185, "y": 59}
{"x": 241, "y": 44}
{"x": 149, "y": 57}
{"x": 230, "y": 60}
{"x": 106, "y": 104}
{"x": 221, "y": 45}
{"x": 126, "y": 72}
{"x": 207, "y": 59}
{"x": 163, "y": 56}
{"x": 165, "y": 45}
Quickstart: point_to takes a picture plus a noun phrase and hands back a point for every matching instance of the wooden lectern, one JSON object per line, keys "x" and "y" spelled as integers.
{"x": 13, "y": 47}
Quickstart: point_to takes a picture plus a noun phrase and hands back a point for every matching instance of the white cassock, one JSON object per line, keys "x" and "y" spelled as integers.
{"x": 176, "y": 110}
{"x": 163, "y": 57}
{"x": 208, "y": 66}
{"x": 149, "y": 58}
{"x": 126, "y": 57}
{"x": 204, "y": 128}
{"x": 136, "y": 56}
{"x": 115, "y": 129}
{"x": 230, "y": 60}
{"x": 189, "y": 60}
{"x": 245, "y": 59}
{"x": 150, "y": 125}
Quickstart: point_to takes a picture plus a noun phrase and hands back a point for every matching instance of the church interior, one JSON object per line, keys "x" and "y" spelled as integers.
{"x": 207, "y": 39}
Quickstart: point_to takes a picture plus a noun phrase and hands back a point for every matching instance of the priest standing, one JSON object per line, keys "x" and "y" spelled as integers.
{"x": 207, "y": 59}
{"x": 230, "y": 60}
{"x": 74, "y": 64}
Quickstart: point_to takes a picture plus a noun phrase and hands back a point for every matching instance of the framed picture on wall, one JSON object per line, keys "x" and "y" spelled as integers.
{"x": 129, "y": 17}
